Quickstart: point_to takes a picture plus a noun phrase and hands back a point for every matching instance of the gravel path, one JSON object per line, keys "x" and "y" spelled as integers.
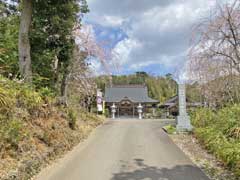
{"x": 125, "y": 150}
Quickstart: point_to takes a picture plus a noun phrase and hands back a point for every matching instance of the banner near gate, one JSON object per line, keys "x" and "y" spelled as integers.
{"x": 99, "y": 100}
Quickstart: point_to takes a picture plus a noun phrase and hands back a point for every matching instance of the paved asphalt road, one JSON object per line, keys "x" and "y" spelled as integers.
{"x": 125, "y": 150}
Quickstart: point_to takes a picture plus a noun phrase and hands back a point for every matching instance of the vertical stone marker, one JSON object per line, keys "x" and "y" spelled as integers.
{"x": 183, "y": 120}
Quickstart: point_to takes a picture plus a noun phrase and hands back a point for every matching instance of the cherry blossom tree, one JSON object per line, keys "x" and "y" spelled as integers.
{"x": 81, "y": 79}
{"x": 214, "y": 59}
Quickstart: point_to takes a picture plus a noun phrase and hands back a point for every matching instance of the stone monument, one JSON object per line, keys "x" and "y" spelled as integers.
{"x": 183, "y": 120}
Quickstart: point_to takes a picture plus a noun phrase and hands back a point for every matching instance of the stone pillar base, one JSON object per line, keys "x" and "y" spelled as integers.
{"x": 183, "y": 123}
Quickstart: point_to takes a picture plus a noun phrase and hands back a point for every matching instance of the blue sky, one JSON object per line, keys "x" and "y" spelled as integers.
{"x": 112, "y": 35}
{"x": 148, "y": 35}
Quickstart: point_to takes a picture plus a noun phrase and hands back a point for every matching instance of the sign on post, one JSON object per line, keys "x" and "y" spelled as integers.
{"x": 99, "y": 101}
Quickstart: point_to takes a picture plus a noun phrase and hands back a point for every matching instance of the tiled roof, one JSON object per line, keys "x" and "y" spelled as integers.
{"x": 134, "y": 93}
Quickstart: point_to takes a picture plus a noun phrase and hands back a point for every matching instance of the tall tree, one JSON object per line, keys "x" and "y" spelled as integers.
{"x": 214, "y": 60}
{"x": 52, "y": 40}
{"x": 24, "y": 47}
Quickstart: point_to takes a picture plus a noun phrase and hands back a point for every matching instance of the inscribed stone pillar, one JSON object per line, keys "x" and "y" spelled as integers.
{"x": 183, "y": 120}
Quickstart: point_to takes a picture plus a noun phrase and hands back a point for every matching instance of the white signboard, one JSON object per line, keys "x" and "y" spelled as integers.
{"x": 99, "y": 101}
{"x": 99, "y": 107}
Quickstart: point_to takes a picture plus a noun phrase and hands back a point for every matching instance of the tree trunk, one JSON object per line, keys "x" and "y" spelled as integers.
{"x": 24, "y": 42}
{"x": 64, "y": 85}
{"x": 56, "y": 70}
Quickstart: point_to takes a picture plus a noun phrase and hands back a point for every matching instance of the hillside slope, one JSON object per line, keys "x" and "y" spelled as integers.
{"x": 34, "y": 131}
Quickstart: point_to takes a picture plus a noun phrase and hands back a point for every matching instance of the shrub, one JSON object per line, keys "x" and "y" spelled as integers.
{"x": 3, "y": 98}
{"x": 29, "y": 99}
{"x": 6, "y": 101}
{"x": 220, "y": 133}
{"x": 107, "y": 113}
{"x": 12, "y": 133}
{"x": 229, "y": 121}
{"x": 72, "y": 119}
{"x": 203, "y": 117}
{"x": 218, "y": 144}
{"x": 47, "y": 94}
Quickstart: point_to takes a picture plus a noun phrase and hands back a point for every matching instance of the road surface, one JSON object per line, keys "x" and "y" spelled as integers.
{"x": 125, "y": 150}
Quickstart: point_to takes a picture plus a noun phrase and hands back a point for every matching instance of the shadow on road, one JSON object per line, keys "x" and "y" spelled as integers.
{"x": 145, "y": 172}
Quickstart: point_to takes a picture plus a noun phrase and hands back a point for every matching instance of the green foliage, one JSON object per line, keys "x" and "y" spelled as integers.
{"x": 203, "y": 117}
{"x": 231, "y": 115}
{"x": 5, "y": 101}
{"x": 11, "y": 132}
{"x": 107, "y": 113}
{"x": 220, "y": 133}
{"x": 72, "y": 119}
{"x": 29, "y": 99}
{"x": 226, "y": 120}
{"x": 50, "y": 38}
{"x": 170, "y": 129}
{"x": 8, "y": 45}
{"x": 47, "y": 94}
{"x": 161, "y": 88}
{"x": 18, "y": 95}
{"x": 223, "y": 148}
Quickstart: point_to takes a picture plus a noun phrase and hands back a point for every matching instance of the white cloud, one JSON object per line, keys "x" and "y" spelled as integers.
{"x": 158, "y": 31}
{"x": 106, "y": 20}
{"x": 113, "y": 20}
{"x": 123, "y": 50}
{"x": 96, "y": 67}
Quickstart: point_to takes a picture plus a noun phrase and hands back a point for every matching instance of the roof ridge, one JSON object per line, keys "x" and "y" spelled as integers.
{"x": 128, "y": 86}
